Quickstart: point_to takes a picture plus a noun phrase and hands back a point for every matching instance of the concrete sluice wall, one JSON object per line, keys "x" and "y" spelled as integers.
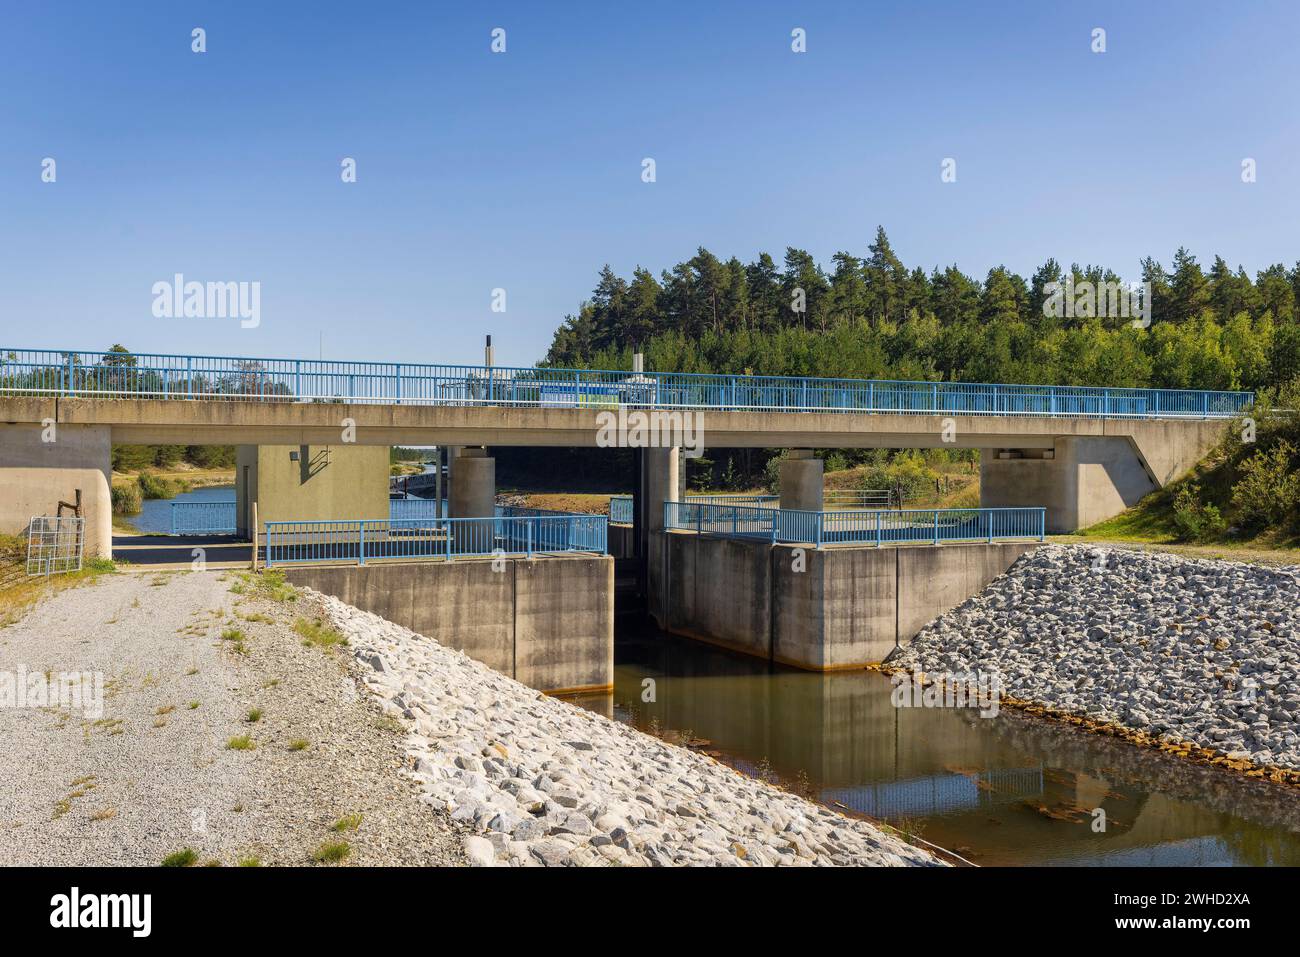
{"x": 818, "y": 609}
{"x": 548, "y": 622}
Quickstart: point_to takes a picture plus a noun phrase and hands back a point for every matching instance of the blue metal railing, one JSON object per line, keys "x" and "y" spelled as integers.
{"x": 448, "y": 538}
{"x": 865, "y": 527}
{"x": 620, "y": 506}
{"x": 423, "y": 508}
{"x": 98, "y": 374}
{"x": 203, "y": 518}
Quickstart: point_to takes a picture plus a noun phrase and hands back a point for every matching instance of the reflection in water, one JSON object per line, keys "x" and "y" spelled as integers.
{"x": 1006, "y": 790}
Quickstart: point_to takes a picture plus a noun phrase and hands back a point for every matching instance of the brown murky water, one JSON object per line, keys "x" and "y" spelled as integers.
{"x": 1005, "y": 790}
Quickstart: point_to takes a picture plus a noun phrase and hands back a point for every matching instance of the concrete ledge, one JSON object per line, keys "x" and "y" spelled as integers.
{"x": 548, "y": 622}
{"x": 826, "y": 609}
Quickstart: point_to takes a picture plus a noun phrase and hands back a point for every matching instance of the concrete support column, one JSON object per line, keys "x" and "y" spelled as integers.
{"x": 473, "y": 495}
{"x": 801, "y": 481}
{"x": 661, "y": 482}
{"x": 41, "y": 466}
{"x": 473, "y": 484}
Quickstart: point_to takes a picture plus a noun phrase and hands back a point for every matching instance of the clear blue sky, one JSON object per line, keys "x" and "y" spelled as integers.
{"x": 522, "y": 170}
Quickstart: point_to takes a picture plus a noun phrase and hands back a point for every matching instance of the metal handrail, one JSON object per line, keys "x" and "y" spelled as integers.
{"x": 360, "y": 541}
{"x": 165, "y": 376}
{"x": 877, "y": 527}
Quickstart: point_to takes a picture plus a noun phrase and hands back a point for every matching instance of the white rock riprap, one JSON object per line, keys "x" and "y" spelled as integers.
{"x": 542, "y": 782}
{"x": 1186, "y": 650}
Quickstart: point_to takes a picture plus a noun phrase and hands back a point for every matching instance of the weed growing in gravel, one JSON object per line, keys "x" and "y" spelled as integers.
{"x": 256, "y": 616}
{"x": 165, "y": 709}
{"x": 243, "y": 742}
{"x": 236, "y": 639}
{"x": 185, "y": 857}
{"x": 191, "y": 671}
{"x": 349, "y": 822}
{"x": 249, "y": 862}
{"x": 271, "y": 683}
{"x": 160, "y": 722}
{"x": 331, "y": 852}
{"x": 106, "y": 814}
{"x": 254, "y": 715}
{"x": 299, "y": 744}
{"x": 272, "y": 585}
{"x": 193, "y": 705}
{"x": 80, "y": 788}
{"x": 318, "y": 633}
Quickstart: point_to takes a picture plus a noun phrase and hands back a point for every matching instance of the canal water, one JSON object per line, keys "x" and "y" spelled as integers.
{"x": 155, "y": 516}
{"x": 1012, "y": 789}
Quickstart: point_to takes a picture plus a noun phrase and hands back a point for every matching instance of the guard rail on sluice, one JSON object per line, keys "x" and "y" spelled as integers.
{"x": 866, "y": 527}
{"x": 620, "y": 506}
{"x": 362, "y": 541}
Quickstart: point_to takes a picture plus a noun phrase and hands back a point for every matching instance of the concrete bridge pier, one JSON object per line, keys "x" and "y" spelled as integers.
{"x": 42, "y": 465}
{"x": 660, "y": 481}
{"x": 473, "y": 494}
{"x": 801, "y": 481}
{"x": 301, "y": 483}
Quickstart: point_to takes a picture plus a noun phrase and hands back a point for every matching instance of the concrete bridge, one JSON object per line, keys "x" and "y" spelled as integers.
{"x": 1082, "y": 453}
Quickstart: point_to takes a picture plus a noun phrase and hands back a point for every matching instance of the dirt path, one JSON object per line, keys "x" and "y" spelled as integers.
{"x": 154, "y": 774}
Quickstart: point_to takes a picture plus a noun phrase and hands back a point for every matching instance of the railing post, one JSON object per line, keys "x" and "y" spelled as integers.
{"x": 699, "y": 519}
{"x": 1042, "y": 524}
{"x": 988, "y": 517}
{"x": 361, "y": 553}
{"x": 189, "y": 377}
{"x": 877, "y": 528}
{"x": 1205, "y": 405}
{"x": 528, "y": 526}
{"x": 821, "y": 517}
{"x": 173, "y": 511}
{"x": 297, "y": 379}
{"x": 399, "y": 383}
{"x": 936, "y": 526}
{"x": 446, "y": 524}
{"x": 72, "y": 384}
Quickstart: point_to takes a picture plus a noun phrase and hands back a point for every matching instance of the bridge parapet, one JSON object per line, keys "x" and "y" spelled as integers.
{"x": 81, "y": 373}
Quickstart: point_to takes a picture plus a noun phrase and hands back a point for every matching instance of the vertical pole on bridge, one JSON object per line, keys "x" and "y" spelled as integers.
{"x": 936, "y": 526}
{"x": 877, "y": 528}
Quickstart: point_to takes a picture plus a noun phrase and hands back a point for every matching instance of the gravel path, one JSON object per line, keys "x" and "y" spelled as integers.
{"x": 1197, "y": 655}
{"x": 153, "y": 773}
{"x": 542, "y": 782}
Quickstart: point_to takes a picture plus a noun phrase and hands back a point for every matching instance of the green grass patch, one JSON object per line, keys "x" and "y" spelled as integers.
{"x": 185, "y": 857}
{"x": 299, "y": 744}
{"x": 349, "y": 822}
{"x": 254, "y": 715}
{"x": 243, "y": 742}
{"x": 331, "y": 852}
{"x": 318, "y": 634}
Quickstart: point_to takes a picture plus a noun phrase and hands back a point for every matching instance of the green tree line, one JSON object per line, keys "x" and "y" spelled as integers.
{"x": 874, "y": 317}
